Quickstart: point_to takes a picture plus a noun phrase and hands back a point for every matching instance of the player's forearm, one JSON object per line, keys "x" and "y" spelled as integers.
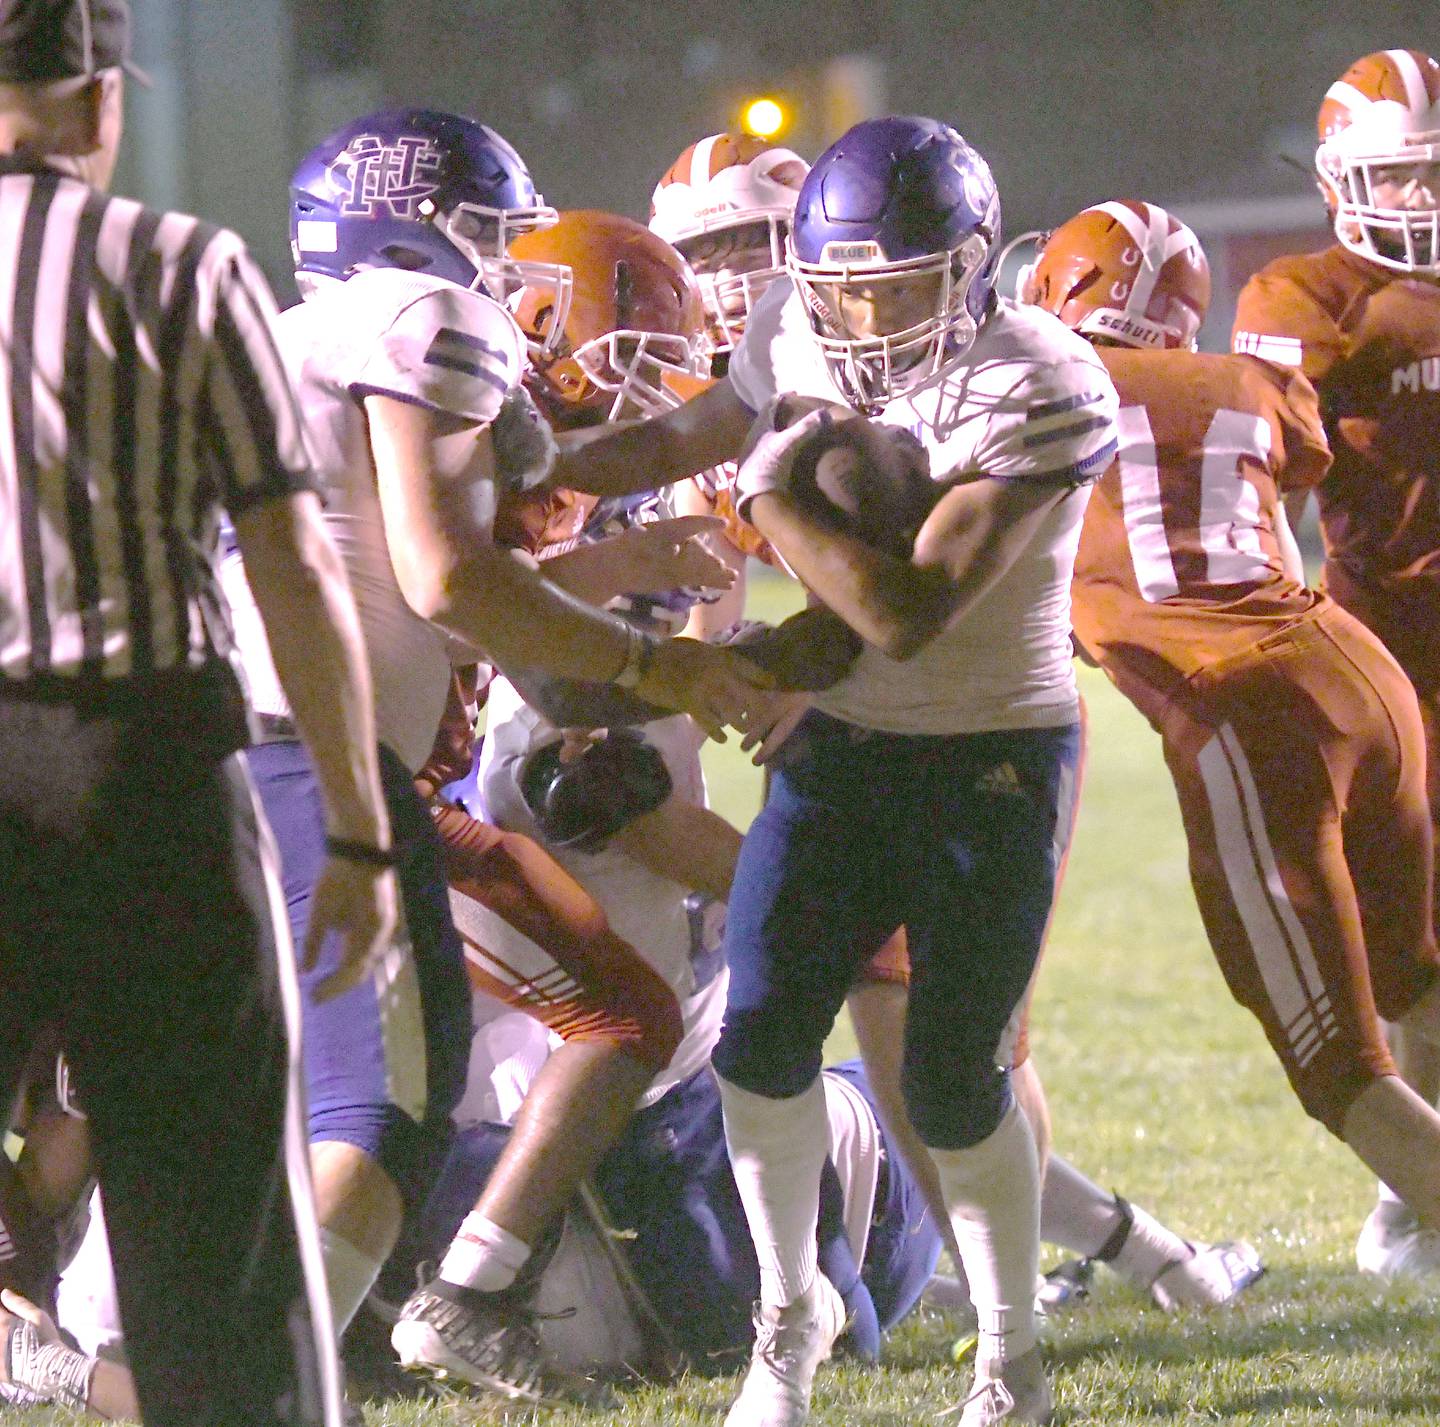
{"x": 492, "y": 600}
{"x": 897, "y": 606}
{"x": 593, "y": 573}
{"x": 627, "y": 457}
{"x": 690, "y": 845}
{"x": 622, "y": 458}
{"x": 316, "y": 642}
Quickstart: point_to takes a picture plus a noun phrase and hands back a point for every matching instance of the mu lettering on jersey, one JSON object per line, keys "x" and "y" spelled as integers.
{"x": 1370, "y": 342}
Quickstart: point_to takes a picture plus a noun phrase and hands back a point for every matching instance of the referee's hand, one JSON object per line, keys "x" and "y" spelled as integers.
{"x": 355, "y": 901}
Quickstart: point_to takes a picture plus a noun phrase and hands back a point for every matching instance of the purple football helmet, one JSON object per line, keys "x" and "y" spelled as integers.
{"x": 897, "y": 201}
{"x": 422, "y": 190}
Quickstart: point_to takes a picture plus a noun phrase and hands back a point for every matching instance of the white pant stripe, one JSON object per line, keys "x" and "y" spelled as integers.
{"x": 1282, "y": 949}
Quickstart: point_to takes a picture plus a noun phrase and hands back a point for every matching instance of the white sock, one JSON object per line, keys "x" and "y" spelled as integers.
{"x": 483, "y": 1255}
{"x": 1074, "y": 1211}
{"x": 350, "y": 1274}
{"x": 1148, "y": 1249}
{"x": 992, "y": 1191}
{"x": 777, "y": 1150}
{"x": 1391, "y": 1210}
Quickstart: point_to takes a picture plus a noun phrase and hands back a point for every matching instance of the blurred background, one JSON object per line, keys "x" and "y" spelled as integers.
{"x": 1204, "y": 106}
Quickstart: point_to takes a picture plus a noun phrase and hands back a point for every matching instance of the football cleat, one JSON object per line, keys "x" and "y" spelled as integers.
{"x": 1019, "y": 1393}
{"x": 790, "y": 1343}
{"x": 1400, "y": 1250}
{"x": 1213, "y": 1275}
{"x": 487, "y": 1340}
{"x": 1065, "y": 1288}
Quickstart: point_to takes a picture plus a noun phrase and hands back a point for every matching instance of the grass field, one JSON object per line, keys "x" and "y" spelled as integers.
{"x": 1161, "y": 1088}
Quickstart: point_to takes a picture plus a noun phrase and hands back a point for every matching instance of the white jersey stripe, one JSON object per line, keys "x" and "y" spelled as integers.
{"x": 1282, "y": 950}
{"x": 1144, "y": 514}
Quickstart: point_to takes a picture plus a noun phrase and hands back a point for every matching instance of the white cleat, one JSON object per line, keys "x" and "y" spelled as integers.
{"x": 1213, "y": 1275}
{"x": 1398, "y": 1251}
{"x": 790, "y": 1343}
{"x": 1020, "y": 1393}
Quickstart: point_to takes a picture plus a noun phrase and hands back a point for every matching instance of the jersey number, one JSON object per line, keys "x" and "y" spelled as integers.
{"x": 1229, "y": 504}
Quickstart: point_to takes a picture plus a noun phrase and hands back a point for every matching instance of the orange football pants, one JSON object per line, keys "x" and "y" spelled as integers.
{"x": 1300, "y": 768}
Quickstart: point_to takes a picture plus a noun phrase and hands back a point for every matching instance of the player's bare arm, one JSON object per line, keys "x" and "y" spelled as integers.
{"x": 314, "y": 632}
{"x": 625, "y": 457}
{"x": 434, "y": 480}
{"x": 645, "y": 559}
{"x": 975, "y": 533}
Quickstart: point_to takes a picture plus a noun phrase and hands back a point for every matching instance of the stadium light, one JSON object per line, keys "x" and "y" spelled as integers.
{"x": 765, "y": 117}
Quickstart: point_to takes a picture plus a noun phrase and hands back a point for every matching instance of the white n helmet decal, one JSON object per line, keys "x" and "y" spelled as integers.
{"x": 383, "y": 180}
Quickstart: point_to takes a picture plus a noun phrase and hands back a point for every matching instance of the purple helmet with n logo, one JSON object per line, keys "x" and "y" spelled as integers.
{"x": 417, "y": 189}
{"x": 896, "y": 200}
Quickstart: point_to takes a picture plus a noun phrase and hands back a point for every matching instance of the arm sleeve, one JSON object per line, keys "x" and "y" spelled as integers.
{"x": 753, "y": 373}
{"x": 1307, "y": 452}
{"x": 254, "y": 433}
{"x": 1056, "y": 424}
{"x": 1277, "y": 320}
{"x": 451, "y": 350}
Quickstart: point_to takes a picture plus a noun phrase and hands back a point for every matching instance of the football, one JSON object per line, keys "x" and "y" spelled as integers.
{"x": 871, "y": 480}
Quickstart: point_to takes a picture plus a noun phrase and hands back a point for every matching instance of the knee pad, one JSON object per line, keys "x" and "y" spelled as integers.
{"x": 764, "y": 1058}
{"x": 959, "y": 1113}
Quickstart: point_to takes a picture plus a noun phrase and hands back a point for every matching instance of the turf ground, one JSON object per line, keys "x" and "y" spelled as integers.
{"x": 1161, "y": 1088}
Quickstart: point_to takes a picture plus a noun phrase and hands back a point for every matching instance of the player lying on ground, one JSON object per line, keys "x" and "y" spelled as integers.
{"x": 1294, "y": 740}
{"x": 1361, "y": 319}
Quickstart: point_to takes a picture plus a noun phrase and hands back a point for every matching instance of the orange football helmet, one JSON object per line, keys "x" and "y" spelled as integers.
{"x": 726, "y": 204}
{"x": 1379, "y": 159}
{"x": 1126, "y": 271}
{"x": 634, "y": 319}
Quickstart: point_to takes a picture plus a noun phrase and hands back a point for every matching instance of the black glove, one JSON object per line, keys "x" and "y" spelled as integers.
{"x": 808, "y": 652}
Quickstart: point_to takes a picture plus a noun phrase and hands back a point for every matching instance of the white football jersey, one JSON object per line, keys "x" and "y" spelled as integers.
{"x": 1031, "y": 401}
{"x": 422, "y": 340}
{"x": 647, "y": 910}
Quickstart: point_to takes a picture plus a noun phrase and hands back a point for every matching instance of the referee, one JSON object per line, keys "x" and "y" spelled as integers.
{"x": 139, "y": 394}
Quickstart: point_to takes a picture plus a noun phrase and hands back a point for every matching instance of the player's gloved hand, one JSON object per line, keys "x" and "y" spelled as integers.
{"x": 714, "y": 686}
{"x": 768, "y": 461}
{"x": 672, "y": 555}
{"x": 807, "y": 652}
{"x": 356, "y": 901}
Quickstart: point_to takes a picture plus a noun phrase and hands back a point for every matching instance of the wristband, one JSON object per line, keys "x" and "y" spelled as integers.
{"x": 352, "y": 850}
{"x": 639, "y": 652}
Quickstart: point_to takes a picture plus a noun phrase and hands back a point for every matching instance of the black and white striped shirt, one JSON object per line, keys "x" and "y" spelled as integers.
{"x": 140, "y": 392}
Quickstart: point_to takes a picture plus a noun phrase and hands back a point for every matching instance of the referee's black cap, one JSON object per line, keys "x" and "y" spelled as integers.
{"x": 45, "y": 41}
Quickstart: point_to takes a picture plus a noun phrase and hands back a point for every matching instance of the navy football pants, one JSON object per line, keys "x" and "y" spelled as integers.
{"x": 952, "y": 837}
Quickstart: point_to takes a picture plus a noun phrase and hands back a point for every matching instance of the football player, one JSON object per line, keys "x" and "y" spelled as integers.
{"x": 928, "y": 779}
{"x": 444, "y": 1327}
{"x": 409, "y": 368}
{"x": 1361, "y": 319}
{"x": 1293, "y": 737}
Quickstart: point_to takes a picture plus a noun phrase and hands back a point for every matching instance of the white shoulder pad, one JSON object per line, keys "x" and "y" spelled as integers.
{"x": 758, "y": 363}
{"x": 443, "y": 347}
{"x": 1054, "y": 410}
